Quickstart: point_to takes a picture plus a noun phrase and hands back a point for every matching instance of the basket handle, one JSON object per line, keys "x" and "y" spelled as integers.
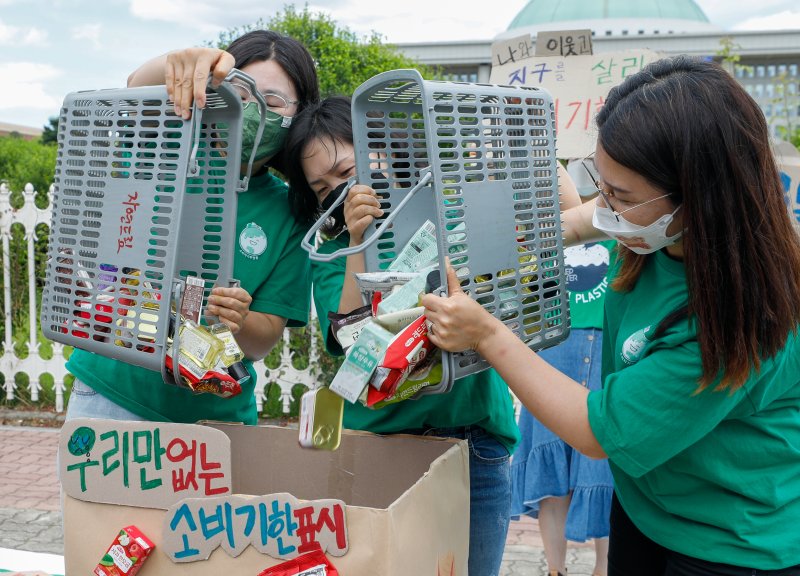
{"x": 426, "y": 176}
{"x": 197, "y": 116}
{"x": 175, "y": 376}
{"x": 262, "y": 108}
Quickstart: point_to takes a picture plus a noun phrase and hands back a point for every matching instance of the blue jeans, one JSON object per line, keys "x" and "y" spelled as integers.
{"x": 85, "y": 402}
{"x": 490, "y": 496}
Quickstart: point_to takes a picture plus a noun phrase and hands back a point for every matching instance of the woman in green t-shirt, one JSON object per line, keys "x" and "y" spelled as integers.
{"x": 698, "y": 414}
{"x": 268, "y": 261}
{"x": 320, "y": 157}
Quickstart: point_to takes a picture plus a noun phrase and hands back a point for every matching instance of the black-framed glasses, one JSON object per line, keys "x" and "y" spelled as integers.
{"x": 275, "y": 102}
{"x": 598, "y": 184}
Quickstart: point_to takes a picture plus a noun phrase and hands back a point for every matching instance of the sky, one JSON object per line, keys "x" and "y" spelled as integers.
{"x": 49, "y": 48}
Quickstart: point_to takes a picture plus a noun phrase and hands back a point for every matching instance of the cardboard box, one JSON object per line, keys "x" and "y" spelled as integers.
{"x": 389, "y": 505}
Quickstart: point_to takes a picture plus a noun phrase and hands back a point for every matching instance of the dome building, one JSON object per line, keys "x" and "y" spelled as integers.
{"x": 611, "y": 17}
{"x": 769, "y": 66}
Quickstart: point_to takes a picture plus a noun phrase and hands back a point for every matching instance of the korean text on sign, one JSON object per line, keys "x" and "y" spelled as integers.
{"x": 278, "y": 525}
{"x": 143, "y": 463}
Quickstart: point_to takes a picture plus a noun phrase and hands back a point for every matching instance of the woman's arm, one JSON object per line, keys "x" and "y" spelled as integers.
{"x": 360, "y": 209}
{"x": 577, "y": 225}
{"x": 459, "y": 323}
{"x": 255, "y": 332}
{"x": 567, "y": 192}
{"x": 259, "y": 334}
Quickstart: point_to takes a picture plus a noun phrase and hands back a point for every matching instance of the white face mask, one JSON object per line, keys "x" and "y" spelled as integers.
{"x": 640, "y": 239}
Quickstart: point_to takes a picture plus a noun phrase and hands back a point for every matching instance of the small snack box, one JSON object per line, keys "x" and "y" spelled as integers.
{"x": 126, "y": 554}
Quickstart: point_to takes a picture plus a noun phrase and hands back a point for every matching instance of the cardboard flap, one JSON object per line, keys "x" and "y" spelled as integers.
{"x": 367, "y": 469}
{"x": 146, "y": 464}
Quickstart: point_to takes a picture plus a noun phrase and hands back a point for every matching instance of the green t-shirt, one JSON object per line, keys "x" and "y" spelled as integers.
{"x": 713, "y": 475}
{"x": 271, "y": 266}
{"x": 586, "y": 267}
{"x": 481, "y": 399}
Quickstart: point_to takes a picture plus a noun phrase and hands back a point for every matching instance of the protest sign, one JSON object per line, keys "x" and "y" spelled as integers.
{"x": 564, "y": 43}
{"x": 142, "y": 463}
{"x": 512, "y": 50}
{"x": 579, "y": 86}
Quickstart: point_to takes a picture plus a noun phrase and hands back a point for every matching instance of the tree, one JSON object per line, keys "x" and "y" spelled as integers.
{"x": 344, "y": 60}
{"x": 23, "y": 161}
{"x": 50, "y": 131}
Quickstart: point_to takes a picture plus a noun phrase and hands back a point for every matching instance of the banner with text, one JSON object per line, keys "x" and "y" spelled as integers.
{"x": 278, "y": 525}
{"x": 146, "y": 464}
{"x": 579, "y": 86}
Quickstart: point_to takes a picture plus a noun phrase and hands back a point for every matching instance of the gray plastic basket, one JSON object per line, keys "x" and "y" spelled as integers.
{"x": 479, "y": 161}
{"x": 142, "y": 200}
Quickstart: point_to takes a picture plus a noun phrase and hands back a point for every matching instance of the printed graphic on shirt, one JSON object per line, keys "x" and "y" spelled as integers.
{"x": 585, "y": 268}
{"x": 634, "y": 346}
{"x": 253, "y": 241}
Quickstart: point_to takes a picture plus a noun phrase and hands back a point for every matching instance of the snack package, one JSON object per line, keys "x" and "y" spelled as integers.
{"x": 426, "y": 373}
{"x": 396, "y": 321}
{"x": 374, "y": 286}
{"x": 405, "y": 297}
{"x": 313, "y": 563}
{"x": 406, "y": 350}
{"x": 360, "y": 362}
{"x": 420, "y": 252}
{"x": 199, "y": 380}
{"x": 126, "y": 554}
{"x": 347, "y": 327}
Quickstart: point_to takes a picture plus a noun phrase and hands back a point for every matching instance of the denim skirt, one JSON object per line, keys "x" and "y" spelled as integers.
{"x": 545, "y": 466}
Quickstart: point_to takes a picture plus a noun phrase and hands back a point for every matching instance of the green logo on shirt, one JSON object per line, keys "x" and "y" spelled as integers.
{"x": 634, "y": 346}
{"x": 253, "y": 241}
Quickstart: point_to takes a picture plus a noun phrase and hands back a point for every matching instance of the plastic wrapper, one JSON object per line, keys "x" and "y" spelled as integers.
{"x": 375, "y": 286}
{"x": 313, "y": 563}
{"x": 347, "y": 327}
{"x": 408, "y": 348}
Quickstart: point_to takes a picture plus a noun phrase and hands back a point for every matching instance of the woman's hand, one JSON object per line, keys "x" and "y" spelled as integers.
{"x": 457, "y": 323}
{"x": 186, "y": 75}
{"x": 231, "y": 305}
{"x": 361, "y": 207}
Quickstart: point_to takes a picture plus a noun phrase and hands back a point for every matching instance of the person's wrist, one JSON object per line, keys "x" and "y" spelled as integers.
{"x": 491, "y": 332}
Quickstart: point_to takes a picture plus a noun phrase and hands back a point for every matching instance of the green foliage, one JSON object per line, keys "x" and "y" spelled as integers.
{"x": 782, "y": 101}
{"x": 790, "y": 134}
{"x": 50, "y": 132}
{"x": 23, "y": 161}
{"x": 344, "y": 59}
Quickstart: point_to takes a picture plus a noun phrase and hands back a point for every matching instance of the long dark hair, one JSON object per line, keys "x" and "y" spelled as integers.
{"x": 690, "y": 129}
{"x": 328, "y": 119}
{"x": 291, "y": 55}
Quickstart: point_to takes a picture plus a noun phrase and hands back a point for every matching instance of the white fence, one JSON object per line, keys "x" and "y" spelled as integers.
{"x": 286, "y": 376}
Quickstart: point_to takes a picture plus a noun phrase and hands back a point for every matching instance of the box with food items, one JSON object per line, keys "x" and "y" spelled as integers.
{"x": 220, "y": 498}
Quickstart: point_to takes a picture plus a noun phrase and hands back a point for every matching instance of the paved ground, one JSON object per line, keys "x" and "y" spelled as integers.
{"x": 30, "y": 517}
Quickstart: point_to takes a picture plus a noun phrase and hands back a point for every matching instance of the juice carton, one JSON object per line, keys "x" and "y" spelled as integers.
{"x": 126, "y": 554}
